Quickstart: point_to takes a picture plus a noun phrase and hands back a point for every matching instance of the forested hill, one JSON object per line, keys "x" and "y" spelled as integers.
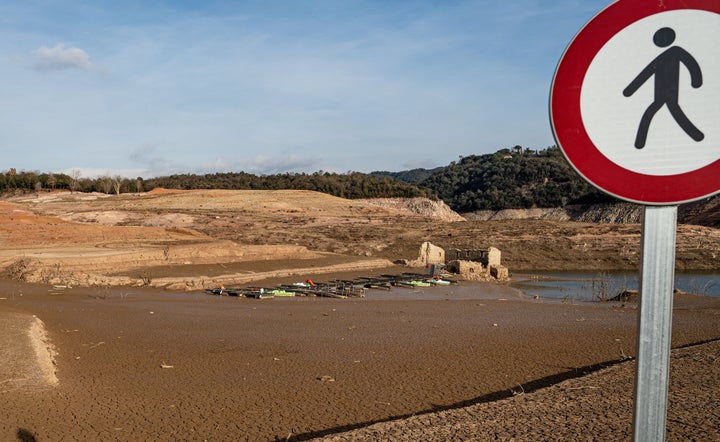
{"x": 509, "y": 179}
{"x": 413, "y": 176}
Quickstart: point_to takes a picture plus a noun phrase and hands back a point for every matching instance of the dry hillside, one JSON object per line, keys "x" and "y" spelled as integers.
{"x": 194, "y": 239}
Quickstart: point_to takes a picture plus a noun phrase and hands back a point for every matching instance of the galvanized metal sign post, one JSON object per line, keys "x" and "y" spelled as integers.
{"x": 654, "y": 323}
{"x": 633, "y": 112}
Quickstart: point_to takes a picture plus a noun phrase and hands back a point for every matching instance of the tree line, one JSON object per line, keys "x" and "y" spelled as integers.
{"x": 509, "y": 178}
{"x": 13, "y": 181}
{"x": 351, "y": 185}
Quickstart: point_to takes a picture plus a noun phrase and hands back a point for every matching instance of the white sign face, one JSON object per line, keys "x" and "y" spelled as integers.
{"x": 667, "y": 121}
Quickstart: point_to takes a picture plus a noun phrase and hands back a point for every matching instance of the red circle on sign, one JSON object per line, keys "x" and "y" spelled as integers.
{"x": 571, "y": 134}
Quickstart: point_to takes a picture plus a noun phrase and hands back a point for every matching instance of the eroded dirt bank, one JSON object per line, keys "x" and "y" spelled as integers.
{"x": 195, "y": 239}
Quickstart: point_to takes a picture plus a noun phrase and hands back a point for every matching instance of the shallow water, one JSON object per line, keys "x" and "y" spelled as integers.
{"x": 462, "y": 291}
{"x": 589, "y": 286}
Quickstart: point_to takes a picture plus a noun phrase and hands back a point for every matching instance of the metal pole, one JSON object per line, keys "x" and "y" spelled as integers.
{"x": 654, "y": 323}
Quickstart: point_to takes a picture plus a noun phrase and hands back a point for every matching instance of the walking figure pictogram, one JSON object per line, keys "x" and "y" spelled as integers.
{"x": 666, "y": 68}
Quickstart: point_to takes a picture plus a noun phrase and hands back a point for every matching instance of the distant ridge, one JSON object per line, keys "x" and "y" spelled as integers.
{"x": 509, "y": 179}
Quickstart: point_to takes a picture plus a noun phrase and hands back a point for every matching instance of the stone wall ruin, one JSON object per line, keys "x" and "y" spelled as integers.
{"x": 471, "y": 264}
{"x": 429, "y": 254}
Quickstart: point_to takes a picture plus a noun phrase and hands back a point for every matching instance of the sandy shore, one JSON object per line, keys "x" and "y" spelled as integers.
{"x": 242, "y": 369}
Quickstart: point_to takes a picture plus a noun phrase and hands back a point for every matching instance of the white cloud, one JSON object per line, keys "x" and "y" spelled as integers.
{"x": 61, "y": 57}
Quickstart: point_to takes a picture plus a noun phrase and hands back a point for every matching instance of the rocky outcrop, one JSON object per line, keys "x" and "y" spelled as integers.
{"x": 618, "y": 213}
{"x": 424, "y": 207}
{"x": 703, "y": 213}
{"x": 591, "y": 213}
{"x": 553, "y": 214}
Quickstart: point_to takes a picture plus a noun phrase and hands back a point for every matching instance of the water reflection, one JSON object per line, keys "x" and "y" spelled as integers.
{"x": 591, "y": 286}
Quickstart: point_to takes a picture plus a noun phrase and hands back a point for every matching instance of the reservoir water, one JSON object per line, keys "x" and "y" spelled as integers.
{"x": 591, "y": 286}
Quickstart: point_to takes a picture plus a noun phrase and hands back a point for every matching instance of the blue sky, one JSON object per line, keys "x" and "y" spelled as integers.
{"x": 149, "y": 88}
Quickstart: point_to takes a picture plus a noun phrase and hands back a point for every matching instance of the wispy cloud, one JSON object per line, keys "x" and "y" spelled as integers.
{"x": 61, "y": 57}
{"x": 263, "y": 165}
{"x": 426, "y": 163}
{"x": 153, "y": 162}
{"x": 92, "y": 172}
{"x": 269, "y": 87}
{"x": 218, "y": 165}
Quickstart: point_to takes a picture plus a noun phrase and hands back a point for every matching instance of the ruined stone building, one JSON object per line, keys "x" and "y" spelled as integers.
{"x": 473, "y": 264}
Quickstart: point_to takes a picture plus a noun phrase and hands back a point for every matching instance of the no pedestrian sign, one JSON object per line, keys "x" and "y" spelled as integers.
{"x": 635, "y": 101}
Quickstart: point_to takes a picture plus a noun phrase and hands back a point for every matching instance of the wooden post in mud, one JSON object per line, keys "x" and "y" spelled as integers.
{"x": 654, "y": 323}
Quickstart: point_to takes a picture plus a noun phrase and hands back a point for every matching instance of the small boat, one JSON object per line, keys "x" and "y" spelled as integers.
{"x": 216, "y": 291}
{"x": 261, "y": 294}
